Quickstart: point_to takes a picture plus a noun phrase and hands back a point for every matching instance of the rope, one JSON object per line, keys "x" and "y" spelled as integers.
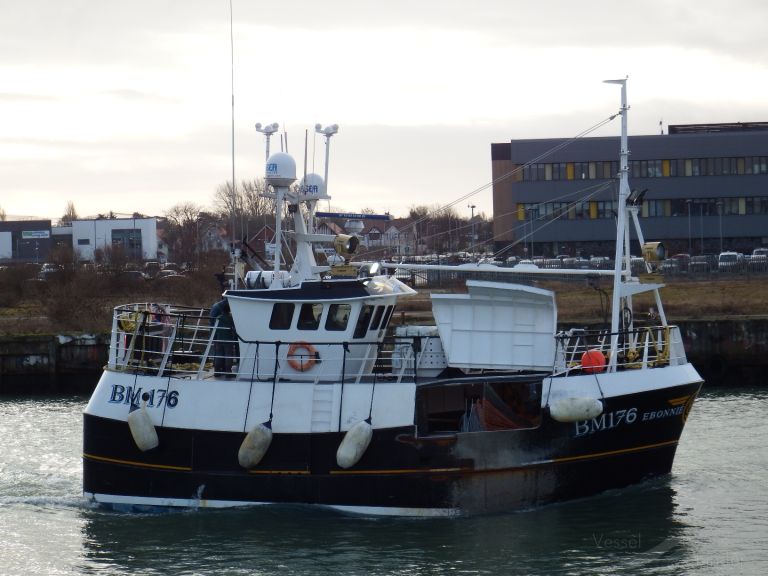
{"x": 268, "y": 423}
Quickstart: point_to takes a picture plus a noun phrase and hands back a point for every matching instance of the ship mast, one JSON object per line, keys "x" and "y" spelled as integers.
{"x": 621, "y": 225}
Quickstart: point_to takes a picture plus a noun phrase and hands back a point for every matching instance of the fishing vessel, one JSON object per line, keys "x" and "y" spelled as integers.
{"x": 295, "y": 389}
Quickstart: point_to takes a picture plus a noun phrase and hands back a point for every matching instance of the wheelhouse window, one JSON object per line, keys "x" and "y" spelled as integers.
{"x": 377, "y": 318}
{"x": 362, "y": 321}
{"x": 338, "y": 317}
{"x": 282, "y": 315}
{"x": 387, "y": 316}
{"x": 309, "y": 316}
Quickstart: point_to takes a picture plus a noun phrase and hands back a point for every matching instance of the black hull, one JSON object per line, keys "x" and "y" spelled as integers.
{"x": 635, "y": 438}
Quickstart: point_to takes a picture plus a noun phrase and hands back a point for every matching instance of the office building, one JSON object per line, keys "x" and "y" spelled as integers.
{"x": 705, "y": 190}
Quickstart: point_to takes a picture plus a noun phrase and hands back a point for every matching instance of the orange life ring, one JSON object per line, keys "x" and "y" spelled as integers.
{"x": 302, "y": 364}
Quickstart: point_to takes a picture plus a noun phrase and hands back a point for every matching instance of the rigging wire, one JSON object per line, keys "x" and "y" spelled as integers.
{"x": 593, "y": 190}
{"x": 549, "y": 222}
{"x": 514, "y": 171}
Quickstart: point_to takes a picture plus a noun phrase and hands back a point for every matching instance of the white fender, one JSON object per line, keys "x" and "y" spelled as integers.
{"x": 354, "y": 444}
{"x": 142, "y": 429}
{"x": 575, "y": 409}
{"x": 254, "y": 446}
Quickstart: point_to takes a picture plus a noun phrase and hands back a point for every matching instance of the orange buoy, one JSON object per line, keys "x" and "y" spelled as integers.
{"x": 593, "y": 362}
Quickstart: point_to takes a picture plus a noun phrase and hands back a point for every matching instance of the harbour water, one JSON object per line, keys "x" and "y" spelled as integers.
{"x": 710, "y": 516}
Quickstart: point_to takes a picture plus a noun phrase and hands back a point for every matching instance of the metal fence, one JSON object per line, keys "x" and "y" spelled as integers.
{"x": 671, "y": 270}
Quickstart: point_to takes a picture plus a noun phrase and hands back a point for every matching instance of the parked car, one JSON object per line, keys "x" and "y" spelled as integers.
{"x": 758, "y": 263}
{"x": 166, "y": 274}
{"x": 600, "y": 263}
{"x": 637, "y": 265}
{"x": 151, "y": 269}
{"x": 49, "y": 272}
{"x": 670, "y": 266}
{"x": 730, "y": 262}
{"x": 701, "y": 264}
{"x": 683, "y": 261}
{"x": 760, "y": 252}
{"x": 551, "y": 263}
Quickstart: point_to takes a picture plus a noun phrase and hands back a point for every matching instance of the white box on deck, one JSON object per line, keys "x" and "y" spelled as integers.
{"x": 497, "y": 325}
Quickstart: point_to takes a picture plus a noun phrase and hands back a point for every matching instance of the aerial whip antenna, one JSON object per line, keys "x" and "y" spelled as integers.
{"x": 234, "y": 185}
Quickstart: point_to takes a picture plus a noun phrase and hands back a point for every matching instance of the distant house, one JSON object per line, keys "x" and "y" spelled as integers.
{"x": 400, "y": 237}
{"x": 213, "y": 237}
{"x": 330, "y": 227}
{"x": 382, "y": 238}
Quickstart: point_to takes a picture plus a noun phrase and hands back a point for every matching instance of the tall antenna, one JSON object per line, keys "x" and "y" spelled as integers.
{"x": 234, "y": 184}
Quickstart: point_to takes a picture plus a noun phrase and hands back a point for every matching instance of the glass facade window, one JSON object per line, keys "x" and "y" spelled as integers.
{"x": 129, "y": 241}
{"x": 731, "y": 206}
{"x": 656, "y": 168}
{"x": 655, "y": 208}
{"x": 660, "y": 207}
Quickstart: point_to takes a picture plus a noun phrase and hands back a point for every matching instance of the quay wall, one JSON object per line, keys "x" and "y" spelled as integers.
{"x": 730, "y": 352}
{"x": 51, "y": 364}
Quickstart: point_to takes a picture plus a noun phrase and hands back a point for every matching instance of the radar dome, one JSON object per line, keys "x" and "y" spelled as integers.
{"x": 312, "y": 185}
{"x": 281, "y": 169}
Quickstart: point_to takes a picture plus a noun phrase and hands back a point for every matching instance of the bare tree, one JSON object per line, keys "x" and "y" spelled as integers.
{"x": 2, "y": 214}
{"x": 418, "y": 212}
{"x": 182, "y": 231}
{"x": 247, "y": 202}
{"x": 70, "y": 213}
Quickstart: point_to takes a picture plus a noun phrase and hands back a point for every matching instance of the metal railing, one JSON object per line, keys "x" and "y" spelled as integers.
{"x": 166, "y": 341}
{"x": 638, "y": 349}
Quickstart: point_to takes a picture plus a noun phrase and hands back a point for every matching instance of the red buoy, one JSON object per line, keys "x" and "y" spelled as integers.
{"x": 593, "y": 362}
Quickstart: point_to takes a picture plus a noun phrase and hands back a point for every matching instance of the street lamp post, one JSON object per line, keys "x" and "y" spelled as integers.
{"x": 472, "y": 222}
{"x": 690, "y": 244}
{"x": 530, "y": 215}
{"x": 701, "y": 228}
{"x": 720, "y": 217}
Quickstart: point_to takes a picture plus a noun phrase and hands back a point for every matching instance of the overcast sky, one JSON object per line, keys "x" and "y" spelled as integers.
{"x": 126, "y": 105}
